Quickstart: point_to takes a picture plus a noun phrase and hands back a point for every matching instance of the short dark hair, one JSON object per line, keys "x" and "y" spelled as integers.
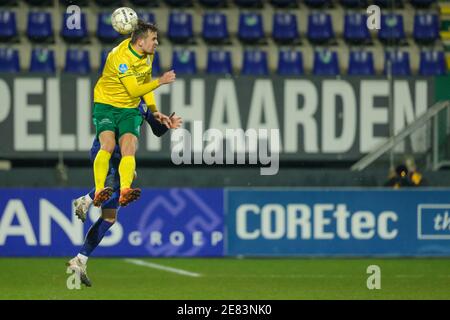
{"x": 142, "y": 29}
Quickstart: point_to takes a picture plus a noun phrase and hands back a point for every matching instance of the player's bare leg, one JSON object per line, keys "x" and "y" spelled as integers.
{"x": 127, "y": 169}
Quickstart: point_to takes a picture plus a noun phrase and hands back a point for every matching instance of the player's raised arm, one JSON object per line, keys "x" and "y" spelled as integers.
{"x": 136, "y": 90}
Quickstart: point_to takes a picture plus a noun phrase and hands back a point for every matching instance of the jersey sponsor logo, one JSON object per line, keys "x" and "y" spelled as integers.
{"x": 123, "y": 68}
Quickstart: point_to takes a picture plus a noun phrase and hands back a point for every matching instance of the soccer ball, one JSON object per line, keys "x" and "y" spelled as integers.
{"x": 124, "y": 20}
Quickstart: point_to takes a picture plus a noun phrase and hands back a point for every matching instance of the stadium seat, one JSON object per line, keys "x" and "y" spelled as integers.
{"x": 42, "y": 61}
{"x": 391, "y": 28}
{"x": 320, "y": 28}
{"x": 39, "y": 27}
{"x": 422, "y": 3}
{"x": 361, "y": 63}
{"x": 426, "y": 27}
{"x": 146, "y": 16}
{"x": 179, "y": 3}
{"x": 109, "y": 3}
{"x": 156, "y": 65}
{"x": 255, "y": 63}
{"x": 103, "y": 57}
{"x": 105, "y": 31}
{"x": 219, "y": 62}
{"x": 77, "y": 61}
{"x": 399, "y": 63}
{"x": 41, "y": 3}
{"x": 8, "y": 26}
{"x": 284, "y": 3}
{"x": 355, "y": 29}
{"x": 432, "y": 63}
{"x": 184, "y": 62}
{"x": 325, "y": 63}
{"x": 213, "y": 3}
{"x": 215, "y": 28}
{"x": 72, "y": 34}
{"x": 9, "y": 60}
{"x": 354, "y": 3}
{"x": 285, "y": 29}
{"x": 250, "y": 28}
{"x": 249, "y": 3}
{"x": 290, "y": 63}
{"x": 180, "y": 27}
{"x": 317, "y": 3}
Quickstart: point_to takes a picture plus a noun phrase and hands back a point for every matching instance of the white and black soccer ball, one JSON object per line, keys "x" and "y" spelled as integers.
{"x": 124, "y": 20}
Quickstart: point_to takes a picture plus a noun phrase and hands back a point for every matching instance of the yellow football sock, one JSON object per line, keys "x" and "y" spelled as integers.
{"x": 101, "y": 167}
{"x": 126, "y": 171}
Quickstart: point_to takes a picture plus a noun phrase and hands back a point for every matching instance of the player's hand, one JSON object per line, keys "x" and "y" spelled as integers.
{"x": 176, "y": 121}
{"x": 162, "y": 118}
{"x": 167, "y": 77}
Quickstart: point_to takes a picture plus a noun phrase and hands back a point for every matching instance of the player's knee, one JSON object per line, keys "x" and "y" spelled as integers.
{"x": 110, "y": 220}
{"x": 108, "y": 146}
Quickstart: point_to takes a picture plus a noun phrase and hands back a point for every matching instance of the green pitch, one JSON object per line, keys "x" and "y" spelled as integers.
{"x": 44, "y": 278}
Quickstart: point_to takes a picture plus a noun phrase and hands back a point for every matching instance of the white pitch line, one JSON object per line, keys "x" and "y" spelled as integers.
{"x": 160, "y": 267}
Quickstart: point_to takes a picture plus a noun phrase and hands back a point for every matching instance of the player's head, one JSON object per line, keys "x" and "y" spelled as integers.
{"x": 145, "y": 37}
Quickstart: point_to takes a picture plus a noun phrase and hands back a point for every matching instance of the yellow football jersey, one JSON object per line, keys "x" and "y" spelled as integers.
{"x": 123, "y": 61}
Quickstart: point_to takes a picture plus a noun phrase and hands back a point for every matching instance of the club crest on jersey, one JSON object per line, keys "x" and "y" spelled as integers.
{"x": 123, "y": 68}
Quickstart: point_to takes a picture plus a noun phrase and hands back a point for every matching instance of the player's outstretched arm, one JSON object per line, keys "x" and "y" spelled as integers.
{"x": 136, "y": 90}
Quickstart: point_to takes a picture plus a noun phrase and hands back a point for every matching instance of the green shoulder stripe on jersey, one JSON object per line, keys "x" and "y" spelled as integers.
{"x": 134, "y": 52}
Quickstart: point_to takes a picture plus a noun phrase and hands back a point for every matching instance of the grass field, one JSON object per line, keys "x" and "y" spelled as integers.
{"x": 292, "y": 279}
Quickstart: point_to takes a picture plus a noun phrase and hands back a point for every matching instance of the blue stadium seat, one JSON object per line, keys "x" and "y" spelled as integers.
{"x": 426, "y": 27}
{"x": 392, "y": 30}
{"x": 354, "y": 3}
{"x": 72, "y": 34}
{"x": 255, "y": 63}
{"x": 320, "y": 27}
{"x": 249, "y": 3}
{"x": 39, "y": 27}
{"x": 361, "y": 63}
{"x": 250, "y": 28}
{"x": 399, "y": 63}
{"x": 156, "y": 65}
{"x": 184, "y": 62}
{"x": 285, "y": 29}
{"x": 422, "y": 3}
{"x": 219, "y": 62}
{"x": 77, "y": 61}
{"x": 326, "y": 63}
{"x": 8, "y": 26}
{"x": 215, "y": 27}
{"x": 284, "y": 3}
{"x": 290, "y": 63}
{"x": 42, "y": 61}
{"x": 105, "y": 31}
{"x": 103, "y": 57}
{"x": 146, "y": 16}
{"x": 9, "y": 60}
{"x": 355, "y": 28}
{"x": 180, "y": 27}
{"x": 213, "y": 3}
{"x": 432, "y": 63}
{"x": 317, "y": 3}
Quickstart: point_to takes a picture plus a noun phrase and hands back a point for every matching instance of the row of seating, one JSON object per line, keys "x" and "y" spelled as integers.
{"x": 225, "y": 3}
{"x": 290, "y": 62}
{"x": 215, "y": 28}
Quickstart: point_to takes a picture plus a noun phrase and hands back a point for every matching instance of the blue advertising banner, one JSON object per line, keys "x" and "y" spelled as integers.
{"x": 338, "y": 222}
{"x": 163, "y": 222}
